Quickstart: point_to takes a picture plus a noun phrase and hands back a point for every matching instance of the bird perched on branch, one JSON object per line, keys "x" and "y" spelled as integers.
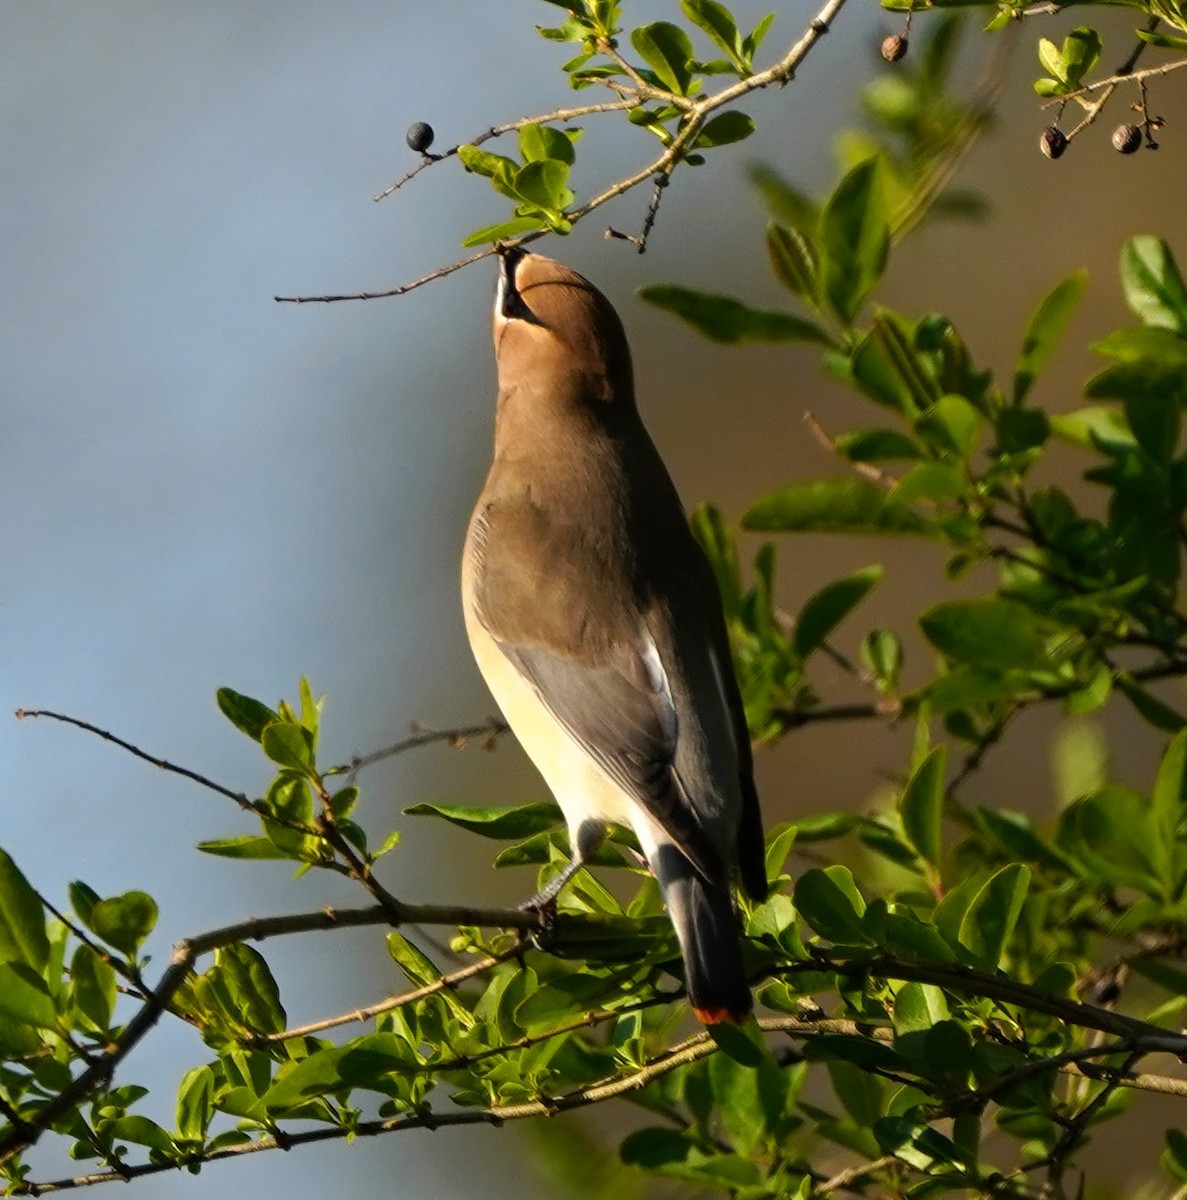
{"x": 596, "y": 622}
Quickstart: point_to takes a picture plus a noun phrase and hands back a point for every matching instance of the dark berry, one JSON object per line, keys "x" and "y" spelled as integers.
{"x": 1126, "y": 139}
{"x": 894, "y": 47}
{"x": 419, "y": 136}
{"x": 1053, "y": 142}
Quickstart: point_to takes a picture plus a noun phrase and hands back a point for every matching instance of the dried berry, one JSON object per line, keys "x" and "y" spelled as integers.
{"x": 894, "y": 47}
{"x": 1126, "y": 138}
{"x": 1053, "y": 142}
{"x": 419, "y": 136}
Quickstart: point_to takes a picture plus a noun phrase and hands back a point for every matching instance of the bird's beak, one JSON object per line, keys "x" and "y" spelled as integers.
{"x": 509, "y": 304}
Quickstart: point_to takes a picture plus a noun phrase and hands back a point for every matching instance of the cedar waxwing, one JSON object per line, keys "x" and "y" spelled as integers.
{"x": 596, "y": 621}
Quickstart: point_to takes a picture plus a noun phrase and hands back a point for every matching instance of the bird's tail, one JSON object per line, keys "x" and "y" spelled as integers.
{"x": 703, "y": 916}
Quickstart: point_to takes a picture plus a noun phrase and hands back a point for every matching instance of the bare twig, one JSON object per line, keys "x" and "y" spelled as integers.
{"x": 163, "y": 764}
{"x": 457, "y": 737}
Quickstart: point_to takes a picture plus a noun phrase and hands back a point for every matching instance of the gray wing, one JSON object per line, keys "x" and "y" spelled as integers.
{"x": 592, "y": 662}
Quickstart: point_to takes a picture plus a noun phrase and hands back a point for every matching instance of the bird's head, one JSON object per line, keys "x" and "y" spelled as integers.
{"x": 551, "y": 324}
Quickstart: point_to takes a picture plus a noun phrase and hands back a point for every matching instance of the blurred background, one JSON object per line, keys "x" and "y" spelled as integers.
{"x": 202, "y": 487}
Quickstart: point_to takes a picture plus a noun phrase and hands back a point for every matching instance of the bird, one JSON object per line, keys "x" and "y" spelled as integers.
{"x": 595, "y": 619}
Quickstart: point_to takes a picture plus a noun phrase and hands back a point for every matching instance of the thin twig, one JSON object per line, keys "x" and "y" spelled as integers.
{"x": 558, "y": 114}
{"x": 163, "y": 764}
{"x": 457, "y": 737}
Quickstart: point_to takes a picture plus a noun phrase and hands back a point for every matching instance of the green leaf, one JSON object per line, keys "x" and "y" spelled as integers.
{"x": 1155, "y": 711}
{"x": 725, "y": 129}
{"x": 1145, "y": 343}
{"x": 288, "y": 744}
{"x": 242, "y": 846}
{"x": 829, "y": 901}
{"x": 928, "y": 481}
{"x": 668, "y": 52}
{"x": 717, "y": 22}
{"x": 251, "y": 988}
{"x": 793, "y": 260}
{"x": 540, "y": 142}
{"x": 988, "y": 922}
{"x": 247, "y": 715}
{"x": 24, "y": 996}
{"x": 855, "y": 236}
{"x": 503, "y": 231}
{"x": 922, "y": 806}
{"x": 844, "y": 504}
{"x": 1051, "y": 58}
{"x": 860, "y": 1093}
{"x": 490, "y": 821}
{"x": 141, "y": 1131}
{"x": 669, "y": 1152}
{"x": 993, "y": 633}
{"x": 825, "y": 610}
{"x": 877, "y": 445}
{"x": 951, "y": 424}
{"x": 1152, "y": 283}
{"x": 22, "y": 919}
{"x": 92, "y": 988}
{"x": 1081, "y": 50}
{"x": 1110, "y": 833}
{"x": 1168, "y": 41}
{"x": 195, "y": 1103}
{"x": 125, "y": 921}
{"x": 887, "y": 367}
{"x": 1044, "y": 331}
{"x": 542, "y": 183}
{"x": 1166, "y": 800}
{"x": 496, "y": 167}
{"x": 724, "y": 319}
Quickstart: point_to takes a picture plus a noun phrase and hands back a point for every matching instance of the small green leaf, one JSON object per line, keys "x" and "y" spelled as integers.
{"x": 1081, "y": 50}
{"x": 542, "y": 183}
{"x": 83, "y": 899}
{"x": 855, "y": 236}
{"x": 724, "y": 319}
{"x": 251, "y": 988}
{"x": 141, "y": 1131}
{"x": 994, "y": 633}
{"x": 928, "y": 481}
{"x": 725, "y": 129}
{"x": 1044, "y": 331}
{"x": 495, "y": 167}
{"x": 125, "y": 921}
{"x": 888, "y": 367}
{"x": 1168, "y": 41}
{"x": 988, "y": 922}
{"x": 1051, "y": 58}
{"x": 668, "y": 52}
{"x": 951, "y": 424}
{"x": 490, "y": 821}
{"x": 288, "y": 744}
{"x": 92, "y": 989}
{"x": 24, "y": 996}
{"x": 825, "y": 610}
{"x": 1167, "y": 797}
{"x": 877, "y": 445}
{"x": 793, "y": 260}
{"x": 503, "y": 231}
{"x": 247, "y": 715}
{"x": 844, "y": 504}
{"x": 22, "y": 919}
{"x": 540, "y": 142}
{"x": 922, "y": 806}
{"x": 829, "y": 901}
{"x": 195, "y": 1103}
{"x": 242, "y": 846}
{"x": 718, "y": 23}
{"x": 1152, "y": 283}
